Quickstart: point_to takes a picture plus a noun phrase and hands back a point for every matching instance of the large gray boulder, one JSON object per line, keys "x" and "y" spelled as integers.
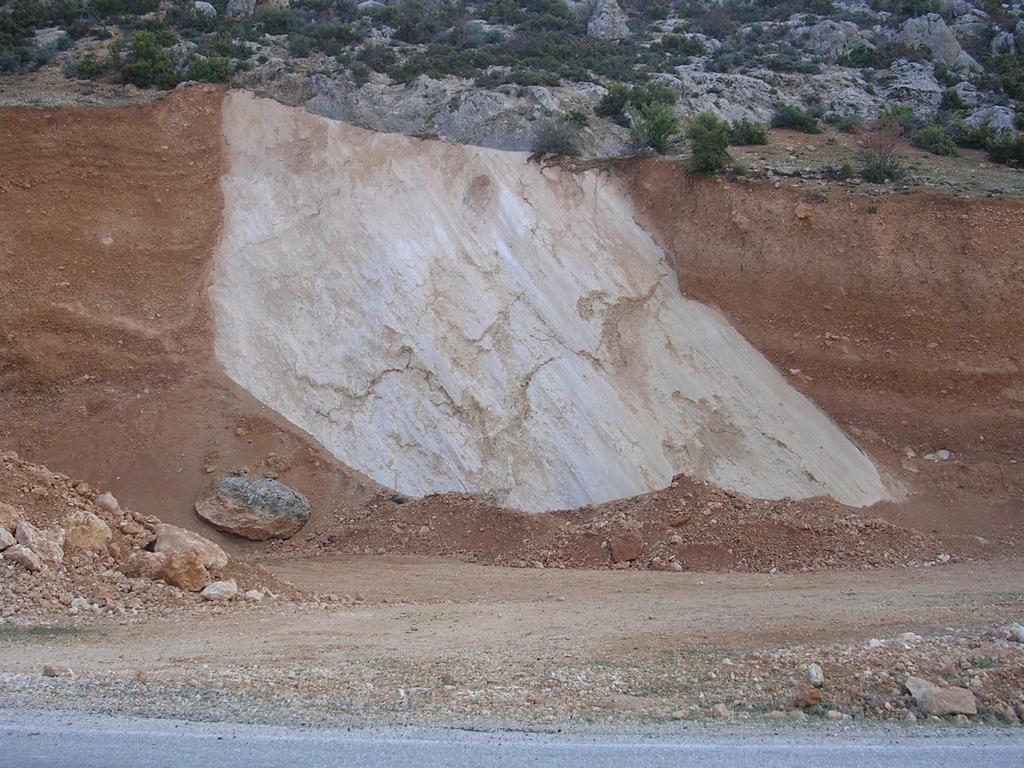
{"x": 608, "y": 21}
{"x": 931, "y": 31}
{"x": 998, "y": 118}
{"x": 1003, "y": 42}
{"x": 828, "y": 39}
{"x": 239, "y": 9}
{"x": 914, "y": 85}
{"x": 256, "y": 509}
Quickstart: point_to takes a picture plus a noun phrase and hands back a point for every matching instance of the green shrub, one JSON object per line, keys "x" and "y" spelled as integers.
{"x": 880, "y": 156}
{"x": 1007, "y": 149}
{"x": 746, "y": 132}
{"x": 976, "y": 136}
{"x": 148, "y": 65}
{"x": 792, "y": 117}
{"x": 653, "y": 125}
{"x": 619, "y": 98}
{"x": 850, "y": 123}
{"x": 904, "y": 116}
{"x": 88, "y": 68}
{"x": 577, "y": 118}
{"x": 709, "y": 141}
{"x": 556, "y": 136}
{"x": 935, "y": 138}
{"x": 682, "y": 45}
{"x": 212, "y": 69}
{"x": 377, "y": 57}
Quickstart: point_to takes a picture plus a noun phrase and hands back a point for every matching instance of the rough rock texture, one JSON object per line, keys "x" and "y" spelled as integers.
{"x": 256, "y": 509}
{"x": 184, "y": 570}
{"x": 144, "y": 564}
{"x": 454, "y": 109}
{"x": 999, "y": 118}
{"x": 46, "y": 545}
{"x": 170, "y": 539}
{"x": 946, "y": 701}
{"x": 9, "y": 517}
{"x": 931, "y": 31}
{"x": 914, "y": 85}
{"x": 6, "y": 538}
{"x": 828, "y": 39}
{"x": 608, "y": 21}
{"x": 576, "y": 374}
{"x": 86, "y": 532}
{"x": 220, "y": 591}
{"x": 24, "y": 556}
{"x": 240, "y": 8}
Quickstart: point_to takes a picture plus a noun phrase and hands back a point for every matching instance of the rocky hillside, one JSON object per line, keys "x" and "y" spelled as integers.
{"x": 573, "y": 77}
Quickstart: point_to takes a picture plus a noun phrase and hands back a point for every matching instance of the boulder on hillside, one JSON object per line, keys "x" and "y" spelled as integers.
{"x": 44, "y": 545}
{"x": 256, "y": 509}
{"x": 171, "y": 540}
{"x": 86, "y": 532}
{"x": 608, "y": 22}
{"x": 220, "y": 591}
{"x": 931, "y": 31}
{"x": 184, "y": 570}
{"x": 935, "y": 700}
{"x": 24, "y": 556}
{"x": 9, "y": 517}
{"x": 828, "y": 39}
{"x": 996, "y": 117}
{"x": 239, "y": 9}
{"x": 6, "y": 539}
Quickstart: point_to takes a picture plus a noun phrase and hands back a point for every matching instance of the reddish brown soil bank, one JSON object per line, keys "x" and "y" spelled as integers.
{"x": 108, "y": 219}
{"x": 901, "y": 316}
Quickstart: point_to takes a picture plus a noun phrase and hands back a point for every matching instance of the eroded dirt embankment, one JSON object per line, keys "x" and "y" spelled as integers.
{"x": 108, "y": 223}
{"x": 111, "y": 217}
{"x": 900, "y": 316}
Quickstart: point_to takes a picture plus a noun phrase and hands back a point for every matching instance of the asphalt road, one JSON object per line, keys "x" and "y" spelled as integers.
{"x": 37, "y": 739}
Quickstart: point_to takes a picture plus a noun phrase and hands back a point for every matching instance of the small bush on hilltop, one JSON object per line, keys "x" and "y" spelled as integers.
{"x": 935, "y": 138}
{"x": 880, "y": 156}
{"x": 557, "y": 136}
{"x": 619, "y": 98}
{"x": 746, "y": 132}
{"x": 794, "y": 118}
{"x": 1007, "y": 149}
{"x": 653, "y": 125}
{"x": 214, "y": 69}
{"x": 709, "y": 140}
{"x": 148, "y": 65}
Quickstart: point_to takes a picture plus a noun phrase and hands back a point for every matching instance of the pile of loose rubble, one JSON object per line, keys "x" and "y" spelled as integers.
{"x": 67, "y": 549}
{"x": 688, "y": 526}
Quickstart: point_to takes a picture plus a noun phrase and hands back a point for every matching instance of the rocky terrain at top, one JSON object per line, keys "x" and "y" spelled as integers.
{"x": 550, "y": 75}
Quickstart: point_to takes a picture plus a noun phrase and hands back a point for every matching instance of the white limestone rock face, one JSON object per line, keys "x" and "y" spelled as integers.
{"x": 445, "y": 317}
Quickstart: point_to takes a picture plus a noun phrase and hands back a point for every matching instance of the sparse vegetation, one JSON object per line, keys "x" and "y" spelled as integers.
{"x": 709, "y": 141}
{"x": 746, "y": 132}
{"x": 653, "y": 125}
{"x": 557, "y": 136}
{"x": 880, "y": 162}
{"x": 794, "y": 118}
{"x": 935, "y": 139}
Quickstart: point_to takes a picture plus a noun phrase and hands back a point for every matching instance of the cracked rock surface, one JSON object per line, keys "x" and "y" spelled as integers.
{"x": 446, "y": 318}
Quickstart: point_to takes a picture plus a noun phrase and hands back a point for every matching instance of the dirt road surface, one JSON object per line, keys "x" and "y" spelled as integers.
{"x": 436, "y": 641}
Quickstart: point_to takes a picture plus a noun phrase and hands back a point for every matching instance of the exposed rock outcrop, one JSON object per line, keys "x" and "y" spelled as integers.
{"x": 608, "y": 22}
{"x": 931, "y": 31}
{"x": 576, "y": 374}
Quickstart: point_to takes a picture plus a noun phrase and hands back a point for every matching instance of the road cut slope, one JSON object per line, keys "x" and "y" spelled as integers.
{"x": 444, "y": 317}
